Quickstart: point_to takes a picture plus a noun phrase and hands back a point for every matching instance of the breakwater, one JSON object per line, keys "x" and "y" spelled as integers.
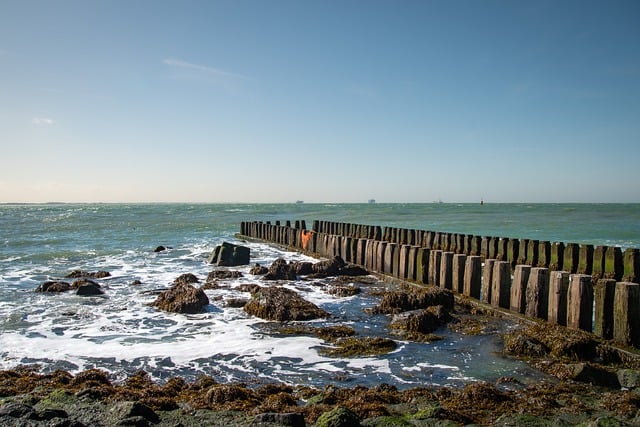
{"x": 581, "y": 286}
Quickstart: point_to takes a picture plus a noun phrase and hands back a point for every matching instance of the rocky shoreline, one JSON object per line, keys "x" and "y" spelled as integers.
{"x": 588, "y": 383}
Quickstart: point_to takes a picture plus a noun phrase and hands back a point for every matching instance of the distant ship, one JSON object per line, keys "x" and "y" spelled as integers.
{"x": 371, "y": 201}
{"x": 299, "y": 202}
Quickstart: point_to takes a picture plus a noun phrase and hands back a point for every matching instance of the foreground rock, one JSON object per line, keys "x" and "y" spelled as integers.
{"x": 421, "y": 321}
{"x": 182, "y": 298}
{"x": 281, "y": 304}
{"x": 229, "y": 255}
{"x": 78, "y": 274}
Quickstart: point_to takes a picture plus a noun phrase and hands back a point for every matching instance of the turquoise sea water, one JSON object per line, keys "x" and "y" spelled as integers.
{"x": 121, "y": 333}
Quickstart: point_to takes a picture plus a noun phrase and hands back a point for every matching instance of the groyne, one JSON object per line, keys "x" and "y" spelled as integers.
{"x": 593, "y": 288}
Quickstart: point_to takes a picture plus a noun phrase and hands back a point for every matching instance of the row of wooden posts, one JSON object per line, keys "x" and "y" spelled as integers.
{"x": 578, "y": 286}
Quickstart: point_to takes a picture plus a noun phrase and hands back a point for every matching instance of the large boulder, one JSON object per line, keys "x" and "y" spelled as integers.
{"x": 330, "y": 267}
{"x": 86, "y": 287}
{"x": 182, "y": 298}
{"x": 229, "y": 255}
{"x": 280, "y": 270}
{"x": 281, "y": 304}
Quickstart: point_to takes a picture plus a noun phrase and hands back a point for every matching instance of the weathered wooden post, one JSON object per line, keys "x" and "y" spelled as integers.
{"x": 475, "y": 246}
{"x": 523, "y": 247}
{"x": 558, "y": 294}
{"x": 631, "y": 263}
{"x": 571, "y": 257}
{"x": 434, "y": 267}
{"x": 519, "y": 288}
{"x": 457, "y": 278}
{"x": 473, "y": 276}
{"x": 389, "y": 252}
{"x": 503, "y": 249}
{"x": 412, "y": 259}
{"x": 538, "y": 293}
{"x": 512, "y": 252}
{"x": 380, "y": 252}
{"x": 580, "y": 302}
{"x": 585, "y": 259}
{"x": 626, "y": 316}
{"x": 487, "y": 280}
{"x": 544, "y": 254}
{"x": 597, "y": 268}
{"x": 501, "y": 286}
{"x": 422, "y": 265}
{"x": 613, "y": 268}
{"x": 557, "y": 255}
{"x": 604, "y": 295}
{"x": 532, "y": 253}
{"x": 446, "y": 270}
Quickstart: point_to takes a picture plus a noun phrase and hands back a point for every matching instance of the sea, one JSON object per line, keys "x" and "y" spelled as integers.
{"x": 120, "y": 332}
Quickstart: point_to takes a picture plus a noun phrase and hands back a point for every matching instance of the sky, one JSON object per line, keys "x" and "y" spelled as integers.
{"x": 273, "y": 101}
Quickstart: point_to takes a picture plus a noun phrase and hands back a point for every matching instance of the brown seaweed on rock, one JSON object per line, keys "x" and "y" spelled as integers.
{"x": 414, "y": 298}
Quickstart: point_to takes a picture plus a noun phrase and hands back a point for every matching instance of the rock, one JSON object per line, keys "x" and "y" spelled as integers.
{"x": 89, "y": 289}
{"x": 247, "y": 287}
{"x": 338, "y": 417}
{"x": 223, "y": 275}
{"x": 236, "y": 302}
{"x": 53, "y": 286}
{"x": 360, "y": 347}
{"x": 258, "y": 270}
{"x": 629, "y": 378}
{"x": 186, "y": 279}
{"x": 229, "y": 255}
{"x": 136, "y": 282}
{"x": 517, "y": 344}
{"x": 161, "y": 248}
{"x": 127, "y": 410}
{"x": 421, "y": 321}
{"x": 17, "y": 410}
{"x": 78, "y": 274}
{"x": 344, "y": 291}
{"x": 329, "y": 267}
{"x": 182, "y": 298}
{"x": 280, "y": 270}
{"x": 353, "y": 270}
{"x": 303, "y": 268}
{"x": 282, "y": 304}
{"x": 287, "y": 419}
{"x": 585, "y": 372}
{"x": 414, "y": 299}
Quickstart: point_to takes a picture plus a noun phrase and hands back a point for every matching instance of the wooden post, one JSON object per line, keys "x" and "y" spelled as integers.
{"x": 604, "y": 295}
{"x": 613, "y": 268}
{"x": 523, "y": 246}
{"x": 558, "y": 294}
{"x": 557, "y": 255}
{"x": 544, "y": 254}
{"x": 501, "y": 286}
{"x": 571, "y": 257}
{"x": 487, "y": 280}
{"x": 631, "y": 264}
{"x": 512, "y": 252}
{"x": 475, "y": 246}
{"x": 580, "y": 302}
{"x": 457, "y": 280}
{"x": 446, "y": 270}
{"x": 597, "y": 268}
{"x": 585, "y": 259}
{"x": 380, "y": 256}
{"x": 422, "y": 265}
{"x": 473, "y": 276}
{"x": 434, "y": 267}
{"x": 532, "y": 253}
{"x": 538, "y": 293}
{"x": 519, "y": 288}
{"x": 626, "y": 316}
{"x": 389, "y": 258}
{"x": 503, "y": 249}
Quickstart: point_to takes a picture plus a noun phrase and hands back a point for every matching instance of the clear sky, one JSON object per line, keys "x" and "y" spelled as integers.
{"x": 321, "y": 101}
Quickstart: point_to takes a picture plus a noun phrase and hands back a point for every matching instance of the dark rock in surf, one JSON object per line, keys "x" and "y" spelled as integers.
{"x": 281, "y": 304}
{"x": 352, "y": 270}
{"x": 329, "y": 267}
{"x": 89, "y": 289}
{"x": 303, "y": 268}
{"x": 223, "y": 275}
{"x": 182, "y": 298}
{"x": 161, "y": 248}
{"x": 229, "y": 255}
{"x": 54, "y": 287}
{"x": 280, "y": 270}
{"x": 78, "y": 274}
{"x": 344, "y": 290}
{"x": 258, "y": 270}
{"x": 186, "y": 279}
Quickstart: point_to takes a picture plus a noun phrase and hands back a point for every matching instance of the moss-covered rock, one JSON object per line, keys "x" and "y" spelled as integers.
{"x": 338, "y": 417}
{"x": 281, "y": 304}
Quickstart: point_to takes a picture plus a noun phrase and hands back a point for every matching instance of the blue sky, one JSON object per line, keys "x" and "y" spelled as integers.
{"x": 321, "y": 101}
